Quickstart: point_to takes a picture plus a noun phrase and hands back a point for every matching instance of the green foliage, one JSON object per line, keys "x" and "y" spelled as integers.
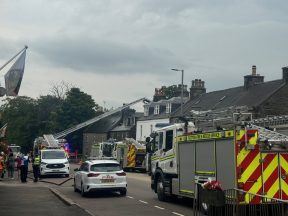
{"x": 22, "y": 127}
{"x": 29, "y": 118}
{"x": 170, "y": 91}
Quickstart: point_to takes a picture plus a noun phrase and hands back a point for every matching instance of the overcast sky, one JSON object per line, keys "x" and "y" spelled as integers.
{"x": 120, "y": 50}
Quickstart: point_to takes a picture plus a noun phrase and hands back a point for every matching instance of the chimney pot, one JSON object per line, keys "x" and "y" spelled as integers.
{"x": 285, "y": 74}
{"x": 254, "y": 70}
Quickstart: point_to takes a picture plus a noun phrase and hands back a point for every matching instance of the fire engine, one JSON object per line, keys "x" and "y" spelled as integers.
{"x": 130, "y": 154}
{"x": 246, "y": 157}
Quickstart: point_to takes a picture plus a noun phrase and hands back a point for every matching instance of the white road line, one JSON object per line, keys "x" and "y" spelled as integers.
{"x": 177, "y": 214}
{"x": 159, "y": 207}
{"x": 143, "y": 201}
{"x": 130, "y": 197}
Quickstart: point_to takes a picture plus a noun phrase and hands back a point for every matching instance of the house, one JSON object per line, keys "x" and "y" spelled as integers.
{"x": 261, "y": 98}
{"x": 117, "y": 126}
{"x": 157, "y": 113}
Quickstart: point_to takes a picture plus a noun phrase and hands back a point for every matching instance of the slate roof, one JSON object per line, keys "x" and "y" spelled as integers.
{"x": 122, "y": 128}
{"x": 104, "y": 125}
{"x": 238, "y": 96}
{"x": 163, "y": 114}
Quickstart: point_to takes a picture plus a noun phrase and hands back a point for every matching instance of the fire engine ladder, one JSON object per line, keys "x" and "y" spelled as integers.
{"x": 51, "y": 141}
{"x": 265, "y": 134}
{"x": 93, "y": 120}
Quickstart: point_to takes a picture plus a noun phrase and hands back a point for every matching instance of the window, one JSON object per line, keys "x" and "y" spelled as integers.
{"x": 146, "y": 111}
{"x": 105, "y": 167}
{"x": 84, "y": 167}
{"x": 168, "y": 108}
{"x": 141, "y": 130}
{"x": 169, "y": 140}
{"x": 156, "y": 110}
{"x": 53, "y": 154}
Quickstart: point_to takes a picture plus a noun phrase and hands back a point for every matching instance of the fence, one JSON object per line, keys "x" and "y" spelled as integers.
{"x": 238, "y": 203}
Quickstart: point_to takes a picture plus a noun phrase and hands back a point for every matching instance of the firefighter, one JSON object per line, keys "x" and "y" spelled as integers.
{"x": 36, "y": 167}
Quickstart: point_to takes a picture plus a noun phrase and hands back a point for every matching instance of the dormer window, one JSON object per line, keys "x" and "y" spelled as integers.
{"x": 156, "y": 110}
{"x": 168, "y": 108}
{"x": 146, "y": 111}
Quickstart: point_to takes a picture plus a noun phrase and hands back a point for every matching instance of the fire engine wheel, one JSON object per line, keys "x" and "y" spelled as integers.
{"x": 160, "y": 190}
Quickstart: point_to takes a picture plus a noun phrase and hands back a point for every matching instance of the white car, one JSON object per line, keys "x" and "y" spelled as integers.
{"x": 98, "y": 175}
{"x": 54, "y": 162}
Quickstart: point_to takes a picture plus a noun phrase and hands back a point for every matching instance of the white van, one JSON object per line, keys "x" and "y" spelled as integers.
{"x": 54, "y": 162}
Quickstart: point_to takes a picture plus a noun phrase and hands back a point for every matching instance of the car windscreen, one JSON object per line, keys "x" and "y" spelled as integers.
{"x": 15, "y": 149}
{"x": 53, "y": 155}
{"x": 105, "y": 167}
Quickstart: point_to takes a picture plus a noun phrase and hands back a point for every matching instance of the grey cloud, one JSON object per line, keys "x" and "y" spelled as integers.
{"x": 104, "y": 56}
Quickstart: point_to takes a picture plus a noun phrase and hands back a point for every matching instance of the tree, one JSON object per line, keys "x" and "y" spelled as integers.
{"x": 19, "y": 114}
{"x": 76, "y": 108}
{"x": 59, "y": 90}
{"x": 171, "y": 91}
{"x": 48, "y": 107}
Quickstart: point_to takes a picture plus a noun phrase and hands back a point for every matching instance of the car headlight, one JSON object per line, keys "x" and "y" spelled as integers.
{"x": 42, "y": 163}
{"x": 66, "y": 162}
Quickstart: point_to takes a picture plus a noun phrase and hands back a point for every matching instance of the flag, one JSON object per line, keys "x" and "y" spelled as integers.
{"x": 13, "y": 77}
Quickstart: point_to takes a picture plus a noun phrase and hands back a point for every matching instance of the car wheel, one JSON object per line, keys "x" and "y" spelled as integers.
{"x": 83, "y": 193}
{"x": 123, "y": 192}
{"x": 160, "y": 190}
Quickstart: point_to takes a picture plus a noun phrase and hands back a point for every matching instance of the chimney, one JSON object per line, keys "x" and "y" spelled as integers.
{"x": 285, "y": 74}
{"x": 254, "y": 70}
{"x": 251, "y": 80}
{"x": 197, "y": 88}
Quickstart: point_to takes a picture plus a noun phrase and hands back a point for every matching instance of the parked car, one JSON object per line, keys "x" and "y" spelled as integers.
{"x": 98, "y": 175}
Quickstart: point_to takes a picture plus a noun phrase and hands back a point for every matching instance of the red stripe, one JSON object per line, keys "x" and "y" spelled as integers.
{"x": 277, "y": 195}
{"x": 284, "y": 196}
{"x": 285, "y": 156}
{"x": 270, "y": 181}
{"x": 267, "y": 185}
{"x": 242, "y": 139}
{"x": 248, "y": 159}
{"x": 283, "y": 172}
{"x": 257, "y": 173}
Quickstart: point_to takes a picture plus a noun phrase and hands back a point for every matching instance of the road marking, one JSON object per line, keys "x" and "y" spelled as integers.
{"x": 130, "y": 197}
{"x": 159, "y": 207}
{"x": 143, "y": 201}
{"x": 177, "y": 214}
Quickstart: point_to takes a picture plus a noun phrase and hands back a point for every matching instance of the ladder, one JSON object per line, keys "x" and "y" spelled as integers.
{"x": 265, "y": 134}
{"x": 95, "y": 119}
{"x": 51, "y": 141}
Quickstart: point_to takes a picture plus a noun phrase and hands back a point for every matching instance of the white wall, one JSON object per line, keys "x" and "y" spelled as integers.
{"x": 146, "y": 127}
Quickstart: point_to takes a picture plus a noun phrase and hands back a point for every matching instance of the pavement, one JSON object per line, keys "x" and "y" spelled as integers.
{"x": 31, "y": 198}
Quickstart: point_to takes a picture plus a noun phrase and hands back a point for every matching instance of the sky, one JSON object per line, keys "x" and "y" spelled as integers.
{"x": 121, "y": 50}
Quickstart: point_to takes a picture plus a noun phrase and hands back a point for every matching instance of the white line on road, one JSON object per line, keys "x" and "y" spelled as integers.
{"x": 177, "y": 214}
{"x": 130, "y": 197}
{"x": 159, "y": 207}
{"x": 143, "y": 201}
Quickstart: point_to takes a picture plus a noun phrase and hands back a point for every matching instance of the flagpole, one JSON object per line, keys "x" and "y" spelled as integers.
{"x": 26, "y": 47}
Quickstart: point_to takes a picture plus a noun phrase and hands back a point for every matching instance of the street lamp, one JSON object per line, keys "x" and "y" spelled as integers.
{"x": 182, "y": 71}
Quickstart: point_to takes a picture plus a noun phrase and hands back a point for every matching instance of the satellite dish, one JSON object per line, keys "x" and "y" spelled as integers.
{"x": 2, "y": 91}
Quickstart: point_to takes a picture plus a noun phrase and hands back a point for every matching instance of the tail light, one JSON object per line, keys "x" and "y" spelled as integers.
{"x": 121, "y": 174}
{"x": 93, "y": 174}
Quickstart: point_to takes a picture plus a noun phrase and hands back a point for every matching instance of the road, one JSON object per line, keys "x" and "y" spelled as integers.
{"x": 140, "y": 199}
